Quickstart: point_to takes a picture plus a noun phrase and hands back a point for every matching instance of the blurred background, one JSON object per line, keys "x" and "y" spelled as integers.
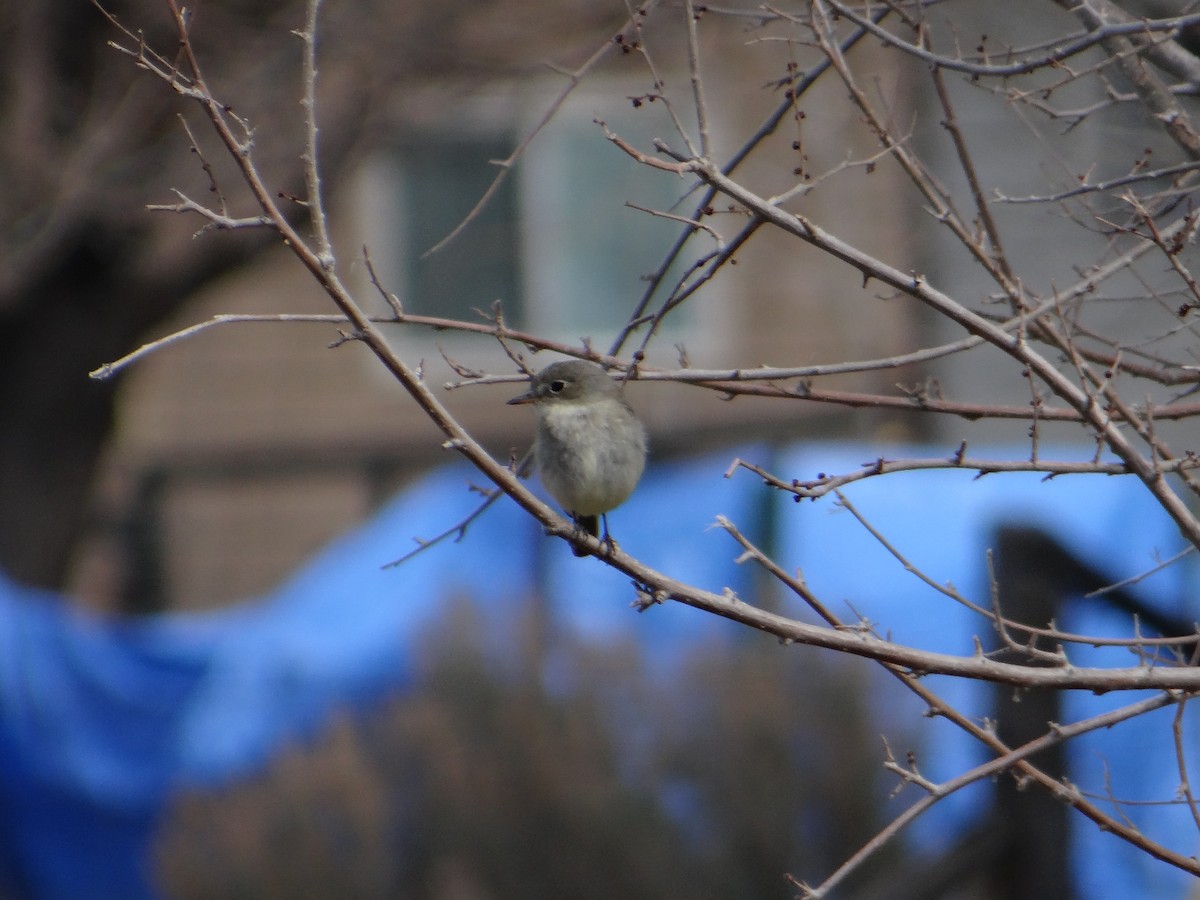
{"x": 211, "y": 688}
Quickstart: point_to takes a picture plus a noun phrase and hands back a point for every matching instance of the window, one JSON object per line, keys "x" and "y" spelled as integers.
{"x": 556, "y": 244}
{"x": 587, "y": 253}
{"x": 438, "y": 180}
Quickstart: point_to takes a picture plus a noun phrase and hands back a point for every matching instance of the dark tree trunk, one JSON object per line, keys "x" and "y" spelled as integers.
{"x": 54, "y": 419}
{"x": 91, "y": 307}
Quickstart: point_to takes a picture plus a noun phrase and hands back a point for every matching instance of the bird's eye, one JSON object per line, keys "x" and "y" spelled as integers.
{"x": 556, "y": 387}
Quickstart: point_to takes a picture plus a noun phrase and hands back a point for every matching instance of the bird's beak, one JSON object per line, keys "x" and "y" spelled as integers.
{"x": 527, "y": 397}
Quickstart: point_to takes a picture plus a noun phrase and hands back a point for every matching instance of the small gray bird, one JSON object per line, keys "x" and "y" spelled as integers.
{"x": 590, "y": 448}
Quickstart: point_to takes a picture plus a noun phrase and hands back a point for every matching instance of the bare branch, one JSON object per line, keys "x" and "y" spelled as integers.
{"x": 1154, "y": 93}
{"x": 693, "y": 43}
{"x": 216, "y": 220}
{"x": 826, "y": 484}
{"x": 1185, "y": 784}
{"x": 936, "y": 792}
{"x": 1075, "y": 368}
{"x": 969, "y": 724}
{"x": 1062, "y": 48}
{"x": 1142, "y": 576}
{"x": 312, "y": 171}
{"x": 975, "y": 324}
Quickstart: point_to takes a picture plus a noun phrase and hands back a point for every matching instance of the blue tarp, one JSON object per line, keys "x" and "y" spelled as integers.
{"x": 100, "y": 719}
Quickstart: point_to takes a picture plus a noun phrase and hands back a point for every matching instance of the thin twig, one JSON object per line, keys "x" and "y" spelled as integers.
{"x": 1142, "y": 576}
{"x": 312, "y": 169}
{"x": 1185, "y": 783}
{"x": 693, "y": 52}
{"x": 456, "y": 531}
{"x": 217, "y": 220}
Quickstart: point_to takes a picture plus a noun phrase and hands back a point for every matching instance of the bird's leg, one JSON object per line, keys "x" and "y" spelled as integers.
{"x": 586, "y": 525}
{"x": 609, "y": 543}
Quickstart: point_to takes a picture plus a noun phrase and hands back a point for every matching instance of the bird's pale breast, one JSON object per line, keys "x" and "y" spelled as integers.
{"x": 590, "y": 455}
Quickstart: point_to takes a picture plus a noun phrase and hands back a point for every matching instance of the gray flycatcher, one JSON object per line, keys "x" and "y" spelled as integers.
{"x": 590, "y": 448}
